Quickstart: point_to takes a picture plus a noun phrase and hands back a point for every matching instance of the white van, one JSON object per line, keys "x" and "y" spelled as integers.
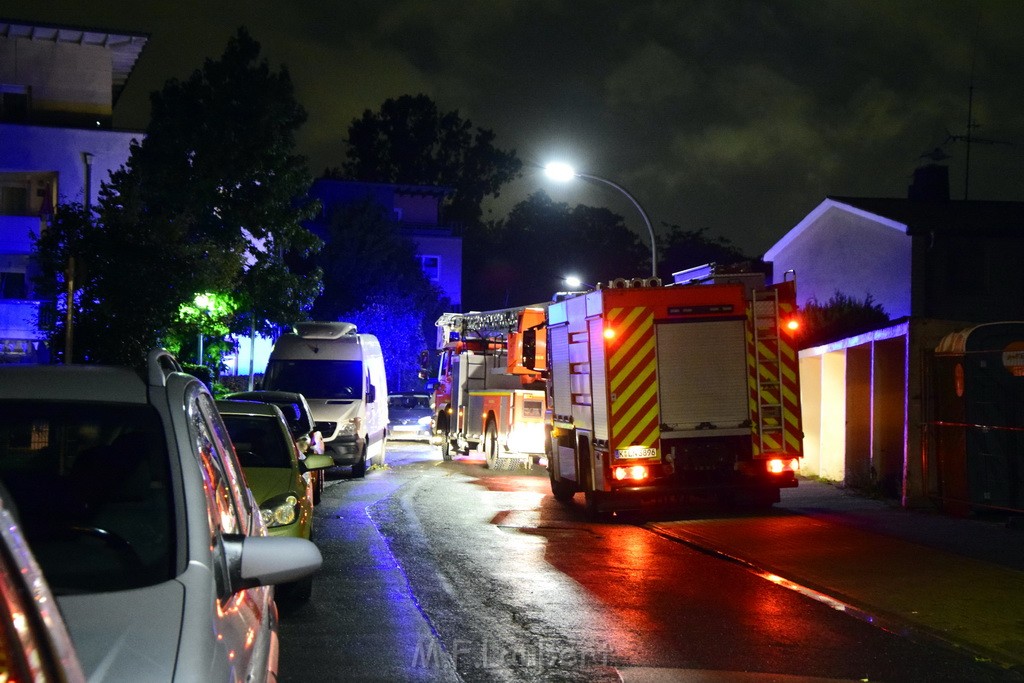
{"x": 341, "y": 374}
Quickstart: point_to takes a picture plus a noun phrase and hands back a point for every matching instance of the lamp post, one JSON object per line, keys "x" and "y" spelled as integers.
{"x": 563, "y": 172}
{"x": 202, "y": 302}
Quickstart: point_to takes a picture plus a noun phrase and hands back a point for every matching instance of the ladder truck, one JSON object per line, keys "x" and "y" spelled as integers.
{"x": 488, "y": 398}
{"x": 658, "y": 394}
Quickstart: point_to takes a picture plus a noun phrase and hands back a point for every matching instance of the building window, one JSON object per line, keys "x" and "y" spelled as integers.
{"x": 13, "y": 200}
{"x": 13, "y": 103}
{"x": 12, "y": 285}
{"x": 431, "y": 267}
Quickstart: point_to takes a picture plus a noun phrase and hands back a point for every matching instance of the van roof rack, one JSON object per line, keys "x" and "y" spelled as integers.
{"x": 324, "y": 330}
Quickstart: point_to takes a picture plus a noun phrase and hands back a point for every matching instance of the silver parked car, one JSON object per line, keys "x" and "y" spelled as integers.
{"x": 135, "y": 506}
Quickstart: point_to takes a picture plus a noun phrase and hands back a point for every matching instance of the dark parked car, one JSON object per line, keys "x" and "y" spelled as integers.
{"x": 300, "y": 423}
{"x": 410, "y": 415}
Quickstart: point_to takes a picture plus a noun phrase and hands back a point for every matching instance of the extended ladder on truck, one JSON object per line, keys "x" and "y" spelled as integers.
{"x": 486, "y": 398}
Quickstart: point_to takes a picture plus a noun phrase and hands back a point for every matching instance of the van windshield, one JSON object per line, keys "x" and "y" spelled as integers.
{"x": 316, "y": 379}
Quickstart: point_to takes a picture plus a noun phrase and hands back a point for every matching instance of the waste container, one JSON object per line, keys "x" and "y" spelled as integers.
{"x": 978, "y": 385}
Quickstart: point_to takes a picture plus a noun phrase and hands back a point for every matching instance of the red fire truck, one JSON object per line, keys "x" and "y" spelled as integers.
{"x": 659, "y": 393}
{"x": 487, "y": 398}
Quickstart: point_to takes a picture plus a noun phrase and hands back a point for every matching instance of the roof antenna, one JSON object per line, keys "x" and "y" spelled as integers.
{"x": 969, "y": 137}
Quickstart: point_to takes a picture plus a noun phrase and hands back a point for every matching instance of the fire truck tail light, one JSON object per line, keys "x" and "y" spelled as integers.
{"x": 791, "y": 325}
{"x": 609, "y": 333}
{"x": 778, "y": 466}
{"x": 634, "y": 472}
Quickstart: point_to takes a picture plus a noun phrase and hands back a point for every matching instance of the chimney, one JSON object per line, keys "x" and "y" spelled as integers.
{"x": 931, "y": 183}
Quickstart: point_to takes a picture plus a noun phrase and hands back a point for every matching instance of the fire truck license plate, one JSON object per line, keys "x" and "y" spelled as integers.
{"x": 635, "y": 452}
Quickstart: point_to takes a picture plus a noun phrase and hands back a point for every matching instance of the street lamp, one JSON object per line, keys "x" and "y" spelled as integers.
{"x": 564, "y": 172}
{"x": 574, "y": 282}
{"x": 203, "y": 303}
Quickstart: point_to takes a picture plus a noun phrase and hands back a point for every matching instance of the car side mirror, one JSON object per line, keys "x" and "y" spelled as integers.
{"x": 371, "y": 393}
{"x": 317, "y": 462}
{"x": 251, "y": 561}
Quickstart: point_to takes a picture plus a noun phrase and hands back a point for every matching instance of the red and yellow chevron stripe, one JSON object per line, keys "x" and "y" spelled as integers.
{"x": 633, "y": 378}
{"x": 790, "y": 383}
{"x": 772, "y": 363}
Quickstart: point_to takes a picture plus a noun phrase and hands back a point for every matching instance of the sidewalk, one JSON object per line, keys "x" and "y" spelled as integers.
{"x": 960, "y": 581}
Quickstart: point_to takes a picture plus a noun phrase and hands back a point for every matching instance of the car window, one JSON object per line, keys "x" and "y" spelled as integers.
{"x": 290, "y": 411}
{"x": 404, "y": 402}
{"x": 258, "y": 441}
{"x": 316, "y": 379}
{"x": 226, "y": 452}
{"x": 92, "y": 484}
{"x": 225, "y": 507}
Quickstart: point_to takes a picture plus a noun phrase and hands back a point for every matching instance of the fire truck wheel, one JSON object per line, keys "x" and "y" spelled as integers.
{"x": 446, "y": 447}
{"x": 592, "y": 506}
{"x": 563, "y": 490}
{"x": 490, "y": 446}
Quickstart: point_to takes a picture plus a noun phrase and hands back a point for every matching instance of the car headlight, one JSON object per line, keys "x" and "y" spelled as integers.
{"x": 280, "y": 511}
{"x": 425, "y": 420}
{"x": 350, "y": 427}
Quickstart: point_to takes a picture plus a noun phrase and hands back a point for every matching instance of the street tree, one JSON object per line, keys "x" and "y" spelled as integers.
{"x": 372, "y": 277}
{"x": 524, "y": 258}
{"x": 409, "y": 140}
{"x": 207, "y": 202}
{"x": 681, "y": 249}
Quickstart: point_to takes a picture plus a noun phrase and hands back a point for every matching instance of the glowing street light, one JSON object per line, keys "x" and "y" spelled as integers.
{"x": 203, "y": 302}
{"x": 573, "y": 281}
{"x": 564, "y": 172}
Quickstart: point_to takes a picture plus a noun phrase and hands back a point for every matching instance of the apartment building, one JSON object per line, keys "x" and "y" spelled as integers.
{"x": 58, "y": 89}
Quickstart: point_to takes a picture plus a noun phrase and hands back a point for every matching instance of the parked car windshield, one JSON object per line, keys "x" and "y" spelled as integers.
{"x": 91, "y": 486}
{"x": 258, "y": 441}
{"x": 316, "y": 379}
{"x": 409, "y": 402}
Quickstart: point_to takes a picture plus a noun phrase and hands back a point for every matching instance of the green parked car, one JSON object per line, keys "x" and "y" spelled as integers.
{"x": 277, "y": 474}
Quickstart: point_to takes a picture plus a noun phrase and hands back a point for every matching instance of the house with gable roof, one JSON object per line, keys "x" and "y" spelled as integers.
{"x": 938, "y": 267}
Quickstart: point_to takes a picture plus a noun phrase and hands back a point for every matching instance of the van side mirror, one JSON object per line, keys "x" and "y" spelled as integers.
{"x": 371, "y": 393}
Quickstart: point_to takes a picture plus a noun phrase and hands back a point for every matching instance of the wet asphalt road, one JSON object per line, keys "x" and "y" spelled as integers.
{"x": 450, "y": 572}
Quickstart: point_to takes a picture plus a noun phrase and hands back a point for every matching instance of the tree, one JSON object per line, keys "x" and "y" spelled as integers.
{"x": 840, "y": 317}
{"x": 523, "y": 258}
{"x": 207, "y": 202}
{"x": 372, "y": 277}
{"x": 410, "y": 141}
{"x": 682, "y": 249}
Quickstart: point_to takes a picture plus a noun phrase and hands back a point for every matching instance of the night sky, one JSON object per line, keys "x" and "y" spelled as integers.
{"x": 735, "y": 116}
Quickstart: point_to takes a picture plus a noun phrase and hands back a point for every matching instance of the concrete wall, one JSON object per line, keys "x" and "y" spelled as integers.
{"x": 40, "y": 149}
{"x": 63, "y": 78}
